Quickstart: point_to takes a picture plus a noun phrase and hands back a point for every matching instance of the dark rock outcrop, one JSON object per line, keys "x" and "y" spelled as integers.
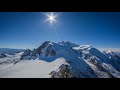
{"x": 48, "y": 49}
{"x": 2, "y": 56}
{"x": 28, "y": 54}
{"x": 39, "y": 49}
{"x": 63, "y": 72}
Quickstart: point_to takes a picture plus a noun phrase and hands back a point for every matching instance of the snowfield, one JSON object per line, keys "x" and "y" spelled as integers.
{"x": 31, "y": 69}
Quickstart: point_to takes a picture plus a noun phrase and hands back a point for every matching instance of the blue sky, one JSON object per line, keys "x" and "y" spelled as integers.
{"x": 29, "y": 29}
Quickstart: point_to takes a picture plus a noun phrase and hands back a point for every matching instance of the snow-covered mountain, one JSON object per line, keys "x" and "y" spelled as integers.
{"x": 65, "y": 60}
{"x": 84, "y": 60}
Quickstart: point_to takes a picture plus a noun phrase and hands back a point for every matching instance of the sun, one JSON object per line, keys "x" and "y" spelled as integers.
{"x": 51, "y": 18}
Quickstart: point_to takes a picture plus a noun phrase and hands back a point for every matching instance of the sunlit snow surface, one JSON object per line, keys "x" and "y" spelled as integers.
{"x": 30, "y": 69}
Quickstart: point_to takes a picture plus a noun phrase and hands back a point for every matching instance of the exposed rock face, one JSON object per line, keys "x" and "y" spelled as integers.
{"x": 33, "y": 54}
{"x": 2, "y": 56}
{"x": 50, "y": 51}
{"x": 46, "y": 49}
{"x": 39, "y": 50}
{"x": 62, "y": 72}
{"x": 28, "y": 54}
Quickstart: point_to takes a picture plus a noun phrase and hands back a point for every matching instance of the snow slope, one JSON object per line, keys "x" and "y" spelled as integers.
{"x": 31, "y": 69}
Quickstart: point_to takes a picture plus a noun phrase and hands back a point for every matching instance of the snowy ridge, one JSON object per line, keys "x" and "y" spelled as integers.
{"x": 66, "y": 60}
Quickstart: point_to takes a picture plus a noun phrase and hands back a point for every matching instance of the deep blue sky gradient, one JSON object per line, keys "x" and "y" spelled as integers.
{"x": 29, "y": 29}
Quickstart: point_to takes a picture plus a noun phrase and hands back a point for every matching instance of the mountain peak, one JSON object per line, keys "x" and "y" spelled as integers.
{"x": 84, "y": 60}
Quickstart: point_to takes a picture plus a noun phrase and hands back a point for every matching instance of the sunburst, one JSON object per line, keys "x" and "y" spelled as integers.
{"x": 51, "y": 18}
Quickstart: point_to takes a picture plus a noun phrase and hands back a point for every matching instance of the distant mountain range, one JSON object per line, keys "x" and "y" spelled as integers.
{"x": 115, "y": 50}
{"x": 10, "y": 51}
